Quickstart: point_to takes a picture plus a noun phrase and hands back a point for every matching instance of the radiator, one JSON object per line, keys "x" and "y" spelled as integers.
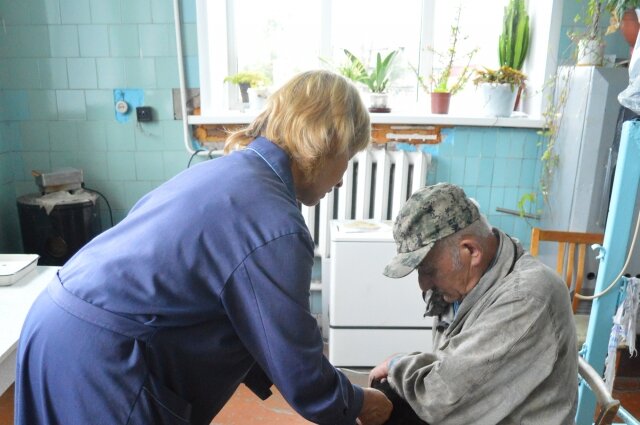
{"x": 375, "y": 186}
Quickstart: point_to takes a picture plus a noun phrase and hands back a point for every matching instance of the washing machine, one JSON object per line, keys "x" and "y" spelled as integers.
{"x": 371, "y": 316}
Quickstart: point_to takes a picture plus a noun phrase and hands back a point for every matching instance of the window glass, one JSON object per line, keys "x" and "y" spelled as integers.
{"x": 280, "y": 38}
{"x": 369, "y": 27}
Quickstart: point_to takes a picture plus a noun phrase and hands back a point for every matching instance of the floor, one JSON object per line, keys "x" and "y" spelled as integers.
{"x": 245, "y": 408}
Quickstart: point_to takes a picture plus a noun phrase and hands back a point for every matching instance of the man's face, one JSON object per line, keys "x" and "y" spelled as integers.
{"x": 439, "y": 270}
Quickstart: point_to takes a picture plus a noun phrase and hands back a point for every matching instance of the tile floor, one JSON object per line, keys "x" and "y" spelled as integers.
{"x": 245, "y": 408}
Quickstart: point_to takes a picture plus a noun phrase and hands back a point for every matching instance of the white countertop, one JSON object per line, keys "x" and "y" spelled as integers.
{"x": 15, "y": 302}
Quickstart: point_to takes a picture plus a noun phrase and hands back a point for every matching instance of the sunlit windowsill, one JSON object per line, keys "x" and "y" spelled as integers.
{"x": 520, "y": 121}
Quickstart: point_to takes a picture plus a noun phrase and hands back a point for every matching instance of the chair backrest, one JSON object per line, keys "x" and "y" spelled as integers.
{"x": 608, "y": 405}
{"x": 566, "y": 257}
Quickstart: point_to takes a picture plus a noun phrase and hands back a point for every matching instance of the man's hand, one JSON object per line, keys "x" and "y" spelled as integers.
{"x": 381, "y": 371}
{"x": 376, "y": 408}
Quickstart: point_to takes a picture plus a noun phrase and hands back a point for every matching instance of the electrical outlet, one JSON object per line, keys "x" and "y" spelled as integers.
{"x": 143, "y": 113}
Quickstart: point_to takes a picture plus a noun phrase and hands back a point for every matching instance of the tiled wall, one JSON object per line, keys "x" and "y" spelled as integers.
{"x": 496, "y": 166}
{"x": 60, "y": 61}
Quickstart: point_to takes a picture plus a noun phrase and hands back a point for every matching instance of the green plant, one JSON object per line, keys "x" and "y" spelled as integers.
{"x": 444, "y": 80}
{"x": 513, "y": 43}
{"x": 617, "y": 8}
{"x": 590, "y": 18}
{"x": 502, "y": 75}
{"x": 377, "y": 79}
{"x": 249, "y": 78}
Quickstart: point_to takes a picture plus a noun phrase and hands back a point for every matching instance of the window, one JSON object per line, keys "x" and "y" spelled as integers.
{"x": 281, "y": 38}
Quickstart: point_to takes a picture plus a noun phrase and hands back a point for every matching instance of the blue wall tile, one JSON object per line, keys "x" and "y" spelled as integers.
{"x": 93, "y": 166}
{"x": 135, "y": 11}
{"x": 64, "y": 159}
{"x": 94, "y": 40}
{"x": 154, "y": 40}
{"x": 15, "y": 105}
{"x": 38, "y": 161}
{"x": 121, "y": 166}
{"x": 15, "y": 12}
{"x": 124, "y": 40}
{"x": 53, "y": 73}
{"x": 167, "y": 72}
{"x": 63, "y": 41}
{"x": 92, "y": 137}
{"x": 43, "y": 105}
{"x": 35, "y": 136}
{"x": 149, "y": 136}
{"x": 71, "y": 105}
{"x": 43, "y": 11}
{"x": 99, "y": 105}
{"x": 82, "y": 73}
{"x": 24, "y": 74}
{"x": 110, "y": 73}
{"x": 34, "y": 41}
{"x": 63, "y": 136}
{"x": 161, "y": 11}
{"x": 75, "y": 12}
{"x": 105, "y": 12}
{"x": 120, "y": 136}
{"x": 149, "y": 166}
{"x": 140, "y": 73}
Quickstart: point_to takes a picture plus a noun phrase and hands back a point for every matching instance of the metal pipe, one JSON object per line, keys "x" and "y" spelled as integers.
{"x": 181, "y": 78}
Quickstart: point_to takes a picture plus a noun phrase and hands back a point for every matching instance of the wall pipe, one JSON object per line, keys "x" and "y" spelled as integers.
{"x": 181, "y": 77}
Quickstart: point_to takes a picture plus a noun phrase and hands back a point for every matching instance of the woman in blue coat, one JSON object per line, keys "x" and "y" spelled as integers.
{"x": 159, "y": 319}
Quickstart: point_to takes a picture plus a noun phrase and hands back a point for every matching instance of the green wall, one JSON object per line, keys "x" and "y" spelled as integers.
{"x": 61, "y": 60}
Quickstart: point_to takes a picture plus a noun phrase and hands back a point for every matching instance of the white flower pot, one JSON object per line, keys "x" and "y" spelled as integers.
{"x": 378, "y": 102}
{"x": 499, "y": 99}
{"x": 590, "y": 52}
{"x": 257, "y": 98}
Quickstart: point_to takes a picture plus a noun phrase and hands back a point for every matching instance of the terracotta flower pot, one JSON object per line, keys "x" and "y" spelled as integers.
{"x": 440, "y": 103}
{"x": 629, "y": 27}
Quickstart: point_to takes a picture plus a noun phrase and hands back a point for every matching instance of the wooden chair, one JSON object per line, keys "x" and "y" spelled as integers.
{"x": 565, "y": 262}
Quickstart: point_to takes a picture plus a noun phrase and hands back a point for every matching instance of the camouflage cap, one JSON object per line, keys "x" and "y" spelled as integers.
{"x": 429, "y": 215}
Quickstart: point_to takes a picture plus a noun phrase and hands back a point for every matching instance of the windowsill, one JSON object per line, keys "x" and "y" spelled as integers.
{"x": 236, "y": 117}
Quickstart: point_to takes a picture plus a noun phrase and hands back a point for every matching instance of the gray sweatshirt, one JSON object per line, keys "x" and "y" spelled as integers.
{"x": 509, "y": 355}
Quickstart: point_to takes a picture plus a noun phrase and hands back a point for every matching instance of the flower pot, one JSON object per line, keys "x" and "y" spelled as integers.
{"x": 590, "y": 52}
{"x": 521, "y": 88}
{"x": 257, "y": 98}
{"x": 499, "y": 99}
{"x": 440, "y": 103}
{"x": 244, "y": 94}
{"x": 378, "y": 102}
{"x": 629, "y": 27}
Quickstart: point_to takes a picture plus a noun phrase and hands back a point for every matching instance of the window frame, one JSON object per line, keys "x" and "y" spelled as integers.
{"x": 216, "y": 39}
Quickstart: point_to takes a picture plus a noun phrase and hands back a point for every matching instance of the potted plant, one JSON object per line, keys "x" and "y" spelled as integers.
{"x": 590, "y": 42}
{"x": 623, "y": 16}
{"x": 499, "y": 89}
{"x": 246, "y": 80}
{"x": 376, "y": 80}
{"x": 513, "y": 43}
{"x": 443, "y": 81}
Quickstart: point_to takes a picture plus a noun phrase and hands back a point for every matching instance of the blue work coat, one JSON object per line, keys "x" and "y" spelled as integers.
{"x": 159, "y": 319}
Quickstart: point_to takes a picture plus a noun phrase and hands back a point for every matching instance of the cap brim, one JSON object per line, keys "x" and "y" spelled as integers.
{"x": 404, "y": 263}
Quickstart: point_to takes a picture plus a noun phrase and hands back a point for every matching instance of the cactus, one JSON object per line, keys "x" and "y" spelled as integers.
{"x": 514, "y": 40}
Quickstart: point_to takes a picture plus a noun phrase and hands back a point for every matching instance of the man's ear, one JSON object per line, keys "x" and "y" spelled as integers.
{"x": 471, "y": 247}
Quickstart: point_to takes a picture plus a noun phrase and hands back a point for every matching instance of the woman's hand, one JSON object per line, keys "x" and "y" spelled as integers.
{"x": 376, "y": 408}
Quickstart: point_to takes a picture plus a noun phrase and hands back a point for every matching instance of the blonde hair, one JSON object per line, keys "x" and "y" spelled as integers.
{"x": 314, "y": 116}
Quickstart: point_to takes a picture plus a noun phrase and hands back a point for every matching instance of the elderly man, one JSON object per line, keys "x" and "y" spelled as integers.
{"x": 504, "y": 344}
